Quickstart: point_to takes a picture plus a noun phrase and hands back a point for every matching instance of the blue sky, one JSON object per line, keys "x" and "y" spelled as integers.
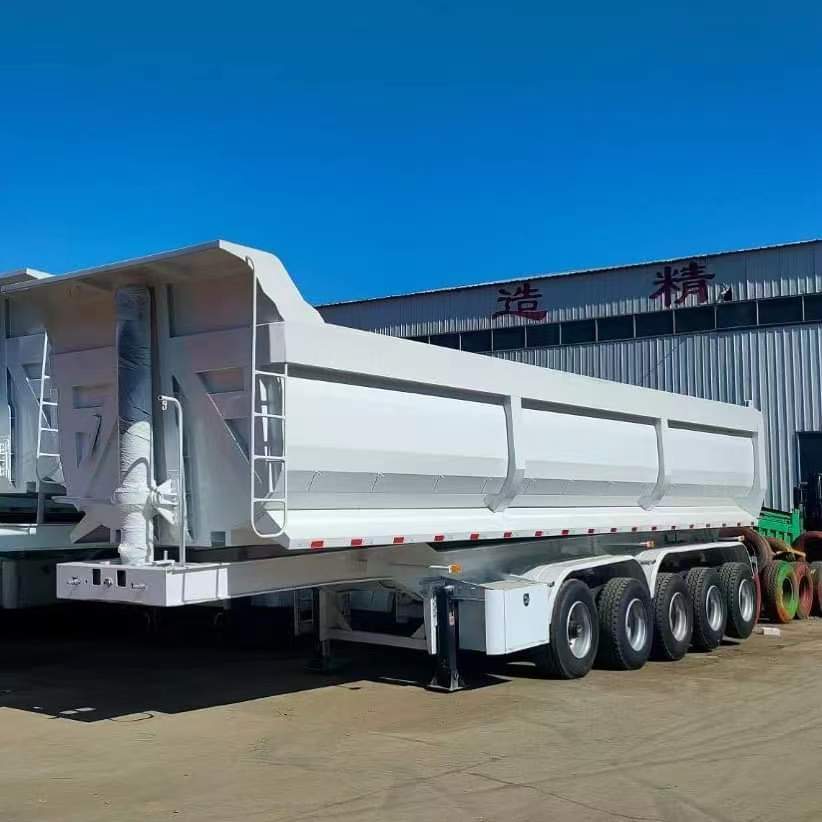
{"x": 382, "y": 147}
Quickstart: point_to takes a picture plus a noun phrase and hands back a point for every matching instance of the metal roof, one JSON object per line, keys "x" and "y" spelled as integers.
{"x": 571, "y": 273}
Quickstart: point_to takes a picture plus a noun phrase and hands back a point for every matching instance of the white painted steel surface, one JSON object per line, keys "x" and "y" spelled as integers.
{"x": 21, "y": 361}
{"x": 511, "y": 615}
{"x": 387, "y": 438}
{"x": 778, "y": 368}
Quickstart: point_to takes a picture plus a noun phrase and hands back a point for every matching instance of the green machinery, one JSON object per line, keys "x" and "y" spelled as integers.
{"x": 783, "y": 525}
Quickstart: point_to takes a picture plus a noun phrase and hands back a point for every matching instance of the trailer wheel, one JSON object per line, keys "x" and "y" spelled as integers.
{"x": 804, "y": 589}
{"x": 780, "y": 591}
{"x": 625, "y": 626}
{"x": 739, "y": 589}
{"x": 574, "y": 634}
{"x": 673, "y": 618}
{"x": 816, "y": 575}
{"x": 710, "y": 613}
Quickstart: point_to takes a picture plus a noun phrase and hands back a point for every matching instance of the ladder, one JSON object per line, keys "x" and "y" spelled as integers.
{"x": 267, "y": 443}
{"x": 47, "y": 432}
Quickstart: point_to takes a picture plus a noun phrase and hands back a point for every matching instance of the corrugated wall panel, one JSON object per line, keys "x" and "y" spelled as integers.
{"x": 781, "y": 271}
{"x": 778, "y": 369}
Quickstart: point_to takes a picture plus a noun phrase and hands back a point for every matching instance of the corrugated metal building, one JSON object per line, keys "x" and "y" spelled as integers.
{"x": 736, "y": 326}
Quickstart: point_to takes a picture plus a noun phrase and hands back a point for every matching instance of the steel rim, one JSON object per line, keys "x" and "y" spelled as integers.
{"x": 714, "y": 609}
{"x": 579, "y": 630}
{"x": 636, "y": 625}
{"x": 678, "y": 617}
{"x": 746, "y": 599}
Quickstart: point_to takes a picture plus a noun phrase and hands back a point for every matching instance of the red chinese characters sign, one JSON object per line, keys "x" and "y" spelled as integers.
{"x": 677, "y": 284}
{"x": 520, "y": 301}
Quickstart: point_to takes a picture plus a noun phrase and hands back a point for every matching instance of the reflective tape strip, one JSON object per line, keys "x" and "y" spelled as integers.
{"x": 474, "y": 536}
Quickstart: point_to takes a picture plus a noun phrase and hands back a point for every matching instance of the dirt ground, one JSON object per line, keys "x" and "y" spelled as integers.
{"x": 99, "y": 728}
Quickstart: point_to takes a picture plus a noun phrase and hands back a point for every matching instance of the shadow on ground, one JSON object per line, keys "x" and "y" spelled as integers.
{"x": 89, "y": 663}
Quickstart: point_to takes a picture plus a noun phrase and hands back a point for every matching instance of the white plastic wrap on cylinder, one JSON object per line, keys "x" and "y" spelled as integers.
{"x": 134, "y": 405}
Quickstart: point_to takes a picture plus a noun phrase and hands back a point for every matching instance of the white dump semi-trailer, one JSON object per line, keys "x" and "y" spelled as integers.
{"x": 35, "y": 529}
{"x": 234, "y": 444}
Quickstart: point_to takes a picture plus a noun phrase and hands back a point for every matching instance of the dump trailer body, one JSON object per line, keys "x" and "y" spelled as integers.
{"x": 237, "y": 445}
{"x": 21, "y": 354}
{"x": 307, "y": 436}
{"x": 31, "y": 521}
{"x": 35, "y": 529}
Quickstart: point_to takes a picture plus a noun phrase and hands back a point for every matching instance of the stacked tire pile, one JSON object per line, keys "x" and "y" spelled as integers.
{"x": 790, "y": 577}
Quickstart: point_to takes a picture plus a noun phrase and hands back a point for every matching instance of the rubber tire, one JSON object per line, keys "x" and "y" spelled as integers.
{"x": 731, "y": 576}
{"x": 779, "y": 546}
{"x": 615, "y": 650}
{"x": 805, "y": 589}
{"x": 778, "y": 608}
{"x": 555, "y": 659}
{"x": 754, "y": 542}
{"x": 810, "y": 543}
{"x": 700, "y": 581}
{"x": 816, "y": 574}
{"x": 665, "y": 645}
{"x": 758, "y": 586}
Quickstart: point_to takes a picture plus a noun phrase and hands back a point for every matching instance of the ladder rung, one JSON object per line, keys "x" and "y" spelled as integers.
{"x": 266, "y": 416}
{"x": 46, "y": 454}
{"x": 269, "y": 458}
{"x": 278, "y": 500}
{"x": 50, "y": 403}
{"x": 259, "y": 373}
{"x": 50, "y": 430}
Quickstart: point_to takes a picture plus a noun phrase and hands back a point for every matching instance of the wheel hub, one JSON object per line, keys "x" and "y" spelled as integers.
{"x": 747, "y": 597}
{"x": 678, "y": 617}
{"x": 714, "y": 608}
{"x": 636, "y": 624}
{"x": 579, "y": 630}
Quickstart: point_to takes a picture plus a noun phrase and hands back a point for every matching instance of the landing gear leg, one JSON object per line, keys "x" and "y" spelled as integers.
{"x": 446, "y": 674}
{"x": 322, "y": 660}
